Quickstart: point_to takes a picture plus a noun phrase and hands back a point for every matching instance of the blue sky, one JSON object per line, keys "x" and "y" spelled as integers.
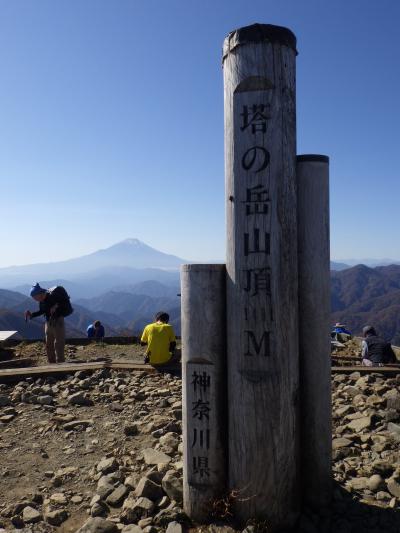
{"x": 112, "y": 121}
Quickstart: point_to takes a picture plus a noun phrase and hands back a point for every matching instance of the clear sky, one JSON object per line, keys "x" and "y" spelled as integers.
{"x": 111, "y": 121}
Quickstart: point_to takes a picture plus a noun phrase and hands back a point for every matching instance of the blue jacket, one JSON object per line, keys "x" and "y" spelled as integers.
{"x": 94, "y": 333}
{"x": 341, "y": 330}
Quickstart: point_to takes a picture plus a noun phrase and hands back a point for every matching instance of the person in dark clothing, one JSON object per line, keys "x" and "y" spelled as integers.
{"x": 375, "y": 351}
{"x": 55, "y": 305}
{"x": 96, "y": 330}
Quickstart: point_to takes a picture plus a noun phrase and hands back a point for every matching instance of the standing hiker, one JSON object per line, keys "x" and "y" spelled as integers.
{"x": 55, "y": 304}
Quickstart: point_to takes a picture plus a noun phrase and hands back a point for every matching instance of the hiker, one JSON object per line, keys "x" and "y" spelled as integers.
{"x": 54, "y": 303}
{"x": 375, "y": 351}
{"x": 340, "y": 333}
{"x": 160, "y": 340}
{"x": 96, "y": 331}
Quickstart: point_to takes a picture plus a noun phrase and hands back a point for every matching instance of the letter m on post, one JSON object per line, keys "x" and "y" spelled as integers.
{"x": 257, "y": 346}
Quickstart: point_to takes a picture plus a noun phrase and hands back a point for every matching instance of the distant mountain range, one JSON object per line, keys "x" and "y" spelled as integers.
{"x": 127, "y": 262}
{"x": 338, "y": 266}
{"x": 348, "y": 263}
{"x": 368, "y": 296}
{"x": 126, "y": 284}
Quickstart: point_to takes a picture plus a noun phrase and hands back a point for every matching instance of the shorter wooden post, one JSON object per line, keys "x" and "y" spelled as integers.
{"x": 314, "y": 323}
{"x": 204, "y": 387}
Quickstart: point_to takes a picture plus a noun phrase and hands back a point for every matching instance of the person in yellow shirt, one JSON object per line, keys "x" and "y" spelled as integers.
{"x": 160, "y": 340}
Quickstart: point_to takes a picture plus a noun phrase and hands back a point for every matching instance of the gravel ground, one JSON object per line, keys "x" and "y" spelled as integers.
{"x": 102, "y": 452}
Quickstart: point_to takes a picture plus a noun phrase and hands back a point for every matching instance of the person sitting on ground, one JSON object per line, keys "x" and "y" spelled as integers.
{"x": 95, "y": 330}
{"x": 160, "y": 340}
{"x": 340, "y": 333}
{"x": 375, "y": 351}
{"x": 55, "y": 304}
{"x": 341, "y": 328}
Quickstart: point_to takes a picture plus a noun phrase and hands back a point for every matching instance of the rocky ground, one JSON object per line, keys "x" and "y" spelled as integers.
{"x": 73, "y": 353}
{"x": 101, "y": 452}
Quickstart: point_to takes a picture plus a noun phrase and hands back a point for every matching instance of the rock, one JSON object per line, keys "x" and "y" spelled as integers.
{"x": 172, "y": 486}
{"x": 116, "y": 407}
{"x": 45, "y": 400}
{"x": 174, "y": 527}
{"x": 31, "y": 515}
{"x": 145, "y": 522}
{"x": 68, "y": 426}
{"x": 98, "y": 525}
{"x": 393, "y": 400}
{"x": 393, "y": 487}
{"x": 148, "y": 489}
{"x": 99, "y": 508}
{"x": 171, "y": 440}
{"x": 360, "y": 423}
{"x": 67, "y": 471}
{"x": 341, "y": 442}
{"x": 131, "y": 430}
{"x": 131, "y": 481}
{"x": 384, "y": 468}
{"x": 358, "y": 483}
{"x": 394, "y": 429}
{"x": 117, "y": 496}
{"x": 383, "y": 495}
{"x": 79, "y": 398}
{"x": 105, "y": 490}
{"x": 58, "y": 498}
{"x": 135, "y": 509}
{"x": 375, "y": 482}
{"x": 56, "y": 518}
{"x": 6, "y": 418}
{"x": 154, "y": 457}
{"x": 107, "y": 465}
{"x": 4, "y": 400}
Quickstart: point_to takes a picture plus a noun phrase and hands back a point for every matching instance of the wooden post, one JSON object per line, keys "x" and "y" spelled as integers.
{"x": 262, "y": 298}
{"x": 314, "y": 324}
{"x": 204, "y": 387}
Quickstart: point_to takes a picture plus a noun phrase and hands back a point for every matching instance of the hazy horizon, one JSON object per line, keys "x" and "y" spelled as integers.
{"x": 354, "y": 260}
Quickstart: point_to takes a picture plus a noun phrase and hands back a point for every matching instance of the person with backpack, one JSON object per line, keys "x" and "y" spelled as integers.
{"x": 375, "y": 351}
{"x": 55, "y": 305}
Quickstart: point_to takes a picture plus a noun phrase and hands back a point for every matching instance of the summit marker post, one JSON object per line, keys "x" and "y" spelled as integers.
{"x": 314, "y": 321}
{"x": 262, "y": 277}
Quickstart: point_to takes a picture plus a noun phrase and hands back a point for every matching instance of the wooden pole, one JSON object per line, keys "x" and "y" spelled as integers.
{"x": 204, "y": 387}
{"x": 262, "y": 299}
{"x": 314, "y": 324}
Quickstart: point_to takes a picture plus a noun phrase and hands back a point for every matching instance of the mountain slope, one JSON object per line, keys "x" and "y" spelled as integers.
{"x": 361, "y": 295}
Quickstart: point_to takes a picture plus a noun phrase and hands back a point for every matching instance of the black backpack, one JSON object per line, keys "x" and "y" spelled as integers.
{"x": 65, "y": 308}
{"x": 389, "y": 357}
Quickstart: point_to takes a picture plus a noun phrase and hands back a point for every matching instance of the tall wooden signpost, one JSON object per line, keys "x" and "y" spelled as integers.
{"x": 314, "y": 316}
{"x": 250, "y": 312}
{"x": 262, "y": 319}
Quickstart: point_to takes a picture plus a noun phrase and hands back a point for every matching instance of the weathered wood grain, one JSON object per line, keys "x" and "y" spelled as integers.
{"x": 262, "y": 298}
{"x": 314, "y": 325}
{"x": 204, "y": 387}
